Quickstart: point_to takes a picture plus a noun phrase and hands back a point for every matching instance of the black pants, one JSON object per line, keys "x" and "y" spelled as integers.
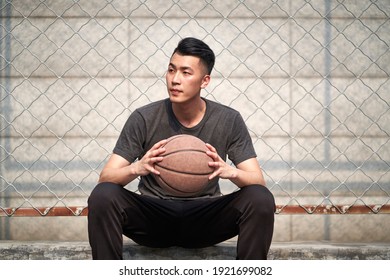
{"x": 154, "y": 222}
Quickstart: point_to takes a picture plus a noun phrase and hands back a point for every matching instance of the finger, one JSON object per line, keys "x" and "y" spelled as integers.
{"x": 153, "y": 161}
{"x": 213, "y": 155}
{"x": 158, "y": 159}
{"x": 214, "y": 164}
{"x": 155, "y": 171}
{"x": 213, "y": 175}
{"x": 159, "y": 144}
{"x": 156, "y": 153}
{"x": 211, "y": 148}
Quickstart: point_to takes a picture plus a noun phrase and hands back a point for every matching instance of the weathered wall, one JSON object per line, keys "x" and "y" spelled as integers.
{"x": 311, "y": 79}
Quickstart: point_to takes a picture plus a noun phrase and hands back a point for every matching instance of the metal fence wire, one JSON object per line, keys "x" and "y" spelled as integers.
{"x": 311, "y": 79}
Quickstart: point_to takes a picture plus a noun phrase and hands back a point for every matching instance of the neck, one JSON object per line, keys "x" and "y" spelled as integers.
{"x": 189, "y": 115}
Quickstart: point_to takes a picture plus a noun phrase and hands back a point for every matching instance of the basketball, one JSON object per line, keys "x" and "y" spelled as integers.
{"x": 184, "y": 171}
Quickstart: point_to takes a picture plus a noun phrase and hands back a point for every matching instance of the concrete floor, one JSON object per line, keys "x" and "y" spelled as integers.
{"x": 39, "y": 250}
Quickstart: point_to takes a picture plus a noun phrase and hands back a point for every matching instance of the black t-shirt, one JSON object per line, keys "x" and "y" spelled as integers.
{"x": 221, "y": 126}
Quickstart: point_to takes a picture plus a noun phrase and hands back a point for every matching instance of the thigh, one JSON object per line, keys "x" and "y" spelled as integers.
{"x": 209, "y": 221}
{"x": 151, "y": 221}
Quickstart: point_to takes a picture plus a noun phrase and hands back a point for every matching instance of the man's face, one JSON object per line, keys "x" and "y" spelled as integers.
{"x": 185, "y": 77}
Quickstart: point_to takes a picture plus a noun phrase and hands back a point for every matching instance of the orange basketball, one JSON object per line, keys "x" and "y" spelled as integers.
{"x": 184, "y": 171}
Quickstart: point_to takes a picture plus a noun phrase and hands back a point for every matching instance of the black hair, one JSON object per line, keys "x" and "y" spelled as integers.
{"x": 195, "y": 47}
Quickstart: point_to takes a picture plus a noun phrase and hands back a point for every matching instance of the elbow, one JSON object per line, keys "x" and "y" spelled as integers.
{"x": 263, "y": 183}
{"x": 103, "y": 177}
{"x": 107, "y": 177}
{"x": 261, "y": 180}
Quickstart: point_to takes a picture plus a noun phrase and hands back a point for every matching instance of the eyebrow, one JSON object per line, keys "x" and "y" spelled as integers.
{"x": 182, "y": 68}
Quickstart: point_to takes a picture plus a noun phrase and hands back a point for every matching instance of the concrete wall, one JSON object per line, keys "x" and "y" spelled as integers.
{"x": 310, "y": 78}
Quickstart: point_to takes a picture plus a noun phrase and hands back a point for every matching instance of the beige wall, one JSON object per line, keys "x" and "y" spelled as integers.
{"x": 310, "y": 79}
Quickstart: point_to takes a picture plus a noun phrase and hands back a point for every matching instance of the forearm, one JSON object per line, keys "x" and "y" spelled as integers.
{"x": 120, "y": 171}
{"x": 243, "y": 178}
{"x": 121, "y": 176}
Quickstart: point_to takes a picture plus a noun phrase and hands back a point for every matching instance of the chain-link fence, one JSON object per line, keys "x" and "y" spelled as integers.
{"x": 311, "y": 79}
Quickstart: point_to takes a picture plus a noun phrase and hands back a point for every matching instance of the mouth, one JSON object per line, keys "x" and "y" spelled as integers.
{"x": 174, "y": 91}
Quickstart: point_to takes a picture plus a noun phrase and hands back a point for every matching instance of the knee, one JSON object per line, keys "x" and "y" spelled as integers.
{"x": 259, "y": 199}
{"x": 103, "y": 196}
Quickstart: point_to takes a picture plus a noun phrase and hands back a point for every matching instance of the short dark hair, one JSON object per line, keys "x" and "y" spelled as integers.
{"x": 195, "y": 47}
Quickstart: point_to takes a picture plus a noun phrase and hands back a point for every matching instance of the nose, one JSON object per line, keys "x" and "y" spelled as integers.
{"x": 176, "y": 78}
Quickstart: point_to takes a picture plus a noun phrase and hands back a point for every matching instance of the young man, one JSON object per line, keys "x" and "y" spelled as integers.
{"x": 154, "y": 218}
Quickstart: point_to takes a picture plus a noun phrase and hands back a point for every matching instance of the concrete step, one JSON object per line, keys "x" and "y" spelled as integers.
{"x": 40, "y": 250}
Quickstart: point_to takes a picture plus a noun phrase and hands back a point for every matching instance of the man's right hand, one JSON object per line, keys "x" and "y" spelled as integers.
{"x": 120, "y": 171}
{"x": 146, "y": 164}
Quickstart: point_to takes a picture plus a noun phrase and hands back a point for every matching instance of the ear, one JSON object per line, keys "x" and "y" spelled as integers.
{"x": 205, "y": 81}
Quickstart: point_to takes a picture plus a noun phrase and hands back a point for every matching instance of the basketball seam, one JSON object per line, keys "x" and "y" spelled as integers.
{"x": 184, "y": 150}
{"x": 178, "y": 190}
{"x": 183, "y": 172}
